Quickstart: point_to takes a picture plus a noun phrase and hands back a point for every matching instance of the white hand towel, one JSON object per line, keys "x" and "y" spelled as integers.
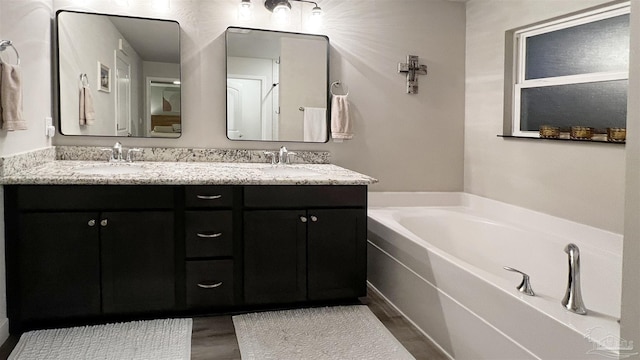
{"x": 315, "y": 124}
{"x": 87, "y": 111}
{"x": 341, "y": 127}
{"x": 11, "y": 98}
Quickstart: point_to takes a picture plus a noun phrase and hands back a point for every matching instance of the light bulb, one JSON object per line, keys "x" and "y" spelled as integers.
{"x": 315, "y": 20}
{"x": 281, "y": 12}
{"x": 316, "y": 12}
{"x": 244, "y": 12}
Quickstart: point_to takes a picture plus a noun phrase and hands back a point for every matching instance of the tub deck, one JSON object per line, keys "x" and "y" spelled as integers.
{"x": 439, "y": 261}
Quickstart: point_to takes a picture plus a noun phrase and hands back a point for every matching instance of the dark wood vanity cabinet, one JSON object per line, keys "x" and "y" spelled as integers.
{"x": 304, "y": 243}
{"x": 86, "y": 251}
{"x": 96, "y": 251}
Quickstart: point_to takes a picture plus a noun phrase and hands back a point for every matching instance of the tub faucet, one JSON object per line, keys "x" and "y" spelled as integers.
{"x": 573, "y": 298}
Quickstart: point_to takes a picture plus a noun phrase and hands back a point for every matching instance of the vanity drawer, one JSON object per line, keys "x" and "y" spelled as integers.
{"x": 208, "y": 196}
{"x": 305, "y": 196}
{"x": 209, "y": 233}
{"x": 96, "y": 197}
{"x": 209, "y": 283}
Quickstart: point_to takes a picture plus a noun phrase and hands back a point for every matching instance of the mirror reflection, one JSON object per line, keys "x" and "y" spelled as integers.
{"x": 118, "y": 76}
{"x": 277, "y": 85}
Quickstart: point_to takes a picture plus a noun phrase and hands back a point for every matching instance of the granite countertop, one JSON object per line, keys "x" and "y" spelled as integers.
{"x": 70, "y": 172}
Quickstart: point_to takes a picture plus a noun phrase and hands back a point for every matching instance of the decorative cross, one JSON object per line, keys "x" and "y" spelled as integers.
{"x": 412, "y": 68}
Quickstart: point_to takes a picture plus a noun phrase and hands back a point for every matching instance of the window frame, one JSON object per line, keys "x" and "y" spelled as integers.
{"x": 516, "y": 75}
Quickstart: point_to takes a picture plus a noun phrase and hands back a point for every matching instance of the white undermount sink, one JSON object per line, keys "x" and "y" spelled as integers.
{"x": 109, "y": 169}
{"x": 290, "y": 171}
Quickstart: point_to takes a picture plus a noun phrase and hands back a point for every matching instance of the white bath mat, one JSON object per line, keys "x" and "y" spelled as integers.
{"x": 341, "y": 332}
{"x": 168, "y": 339}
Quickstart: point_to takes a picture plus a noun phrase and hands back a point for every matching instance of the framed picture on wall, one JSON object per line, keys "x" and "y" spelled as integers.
{"x": 104, "y": 77}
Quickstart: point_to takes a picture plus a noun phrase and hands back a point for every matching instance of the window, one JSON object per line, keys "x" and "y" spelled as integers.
{"x": 568, "y": 72}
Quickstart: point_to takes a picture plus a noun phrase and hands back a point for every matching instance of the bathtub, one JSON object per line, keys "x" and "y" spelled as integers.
{"x": 438, "y": 258}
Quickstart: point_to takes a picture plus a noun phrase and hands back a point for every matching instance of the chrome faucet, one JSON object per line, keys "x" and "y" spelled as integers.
{"x": 117, "y": 151}
{"x": 283, "y": 156}
{"x": 573, "y": 298}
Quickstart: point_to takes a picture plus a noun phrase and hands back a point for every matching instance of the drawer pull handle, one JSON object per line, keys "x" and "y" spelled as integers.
{"x": 209, "y": 285}
{"x": 209, "y": 236}
{"x": 314, "y": 218}
{"x": 104, "y": 222}
{"x": 92, "y": 222}
{"x": 208, "y": 197}
{"x": 303, "y": 219}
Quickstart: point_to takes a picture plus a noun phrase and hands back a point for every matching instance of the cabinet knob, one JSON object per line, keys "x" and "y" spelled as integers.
{"x": 209, "y": 236}
{"x": 92, "y": 222}
{"x": 314, "y": 218}
{"x": 209, "y": 285}
{"x": 303, "y": 219}
{"x": 103, "y": 222}
{"x": 208, "y": 197}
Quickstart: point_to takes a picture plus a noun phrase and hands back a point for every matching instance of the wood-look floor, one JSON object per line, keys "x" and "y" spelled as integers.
{"x": 214, "y": 338}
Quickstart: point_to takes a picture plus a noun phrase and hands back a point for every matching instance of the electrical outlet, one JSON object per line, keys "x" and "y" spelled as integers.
{"x": 49, "y": 129}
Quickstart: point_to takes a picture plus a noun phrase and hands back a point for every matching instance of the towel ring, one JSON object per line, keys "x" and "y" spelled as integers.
{"x": 4, "y": 44}
{"x": 338, "y": 84}
{"x": 84, "y": 80}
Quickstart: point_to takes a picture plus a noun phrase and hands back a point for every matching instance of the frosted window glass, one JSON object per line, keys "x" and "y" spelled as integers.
{"x": 593, "y": 47}
{"x": 599, "y": 105}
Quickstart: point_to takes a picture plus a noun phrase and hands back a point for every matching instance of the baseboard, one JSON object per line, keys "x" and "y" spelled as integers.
{"x": 4, "y": 330}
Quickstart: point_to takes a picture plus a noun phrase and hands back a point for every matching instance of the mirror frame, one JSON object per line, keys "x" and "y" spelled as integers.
{"x": 327, "y": 93}
{"x": 55, "y": 78}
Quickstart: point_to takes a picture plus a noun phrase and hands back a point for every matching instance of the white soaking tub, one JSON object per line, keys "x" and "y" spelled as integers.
{"x": 439, "y": 257}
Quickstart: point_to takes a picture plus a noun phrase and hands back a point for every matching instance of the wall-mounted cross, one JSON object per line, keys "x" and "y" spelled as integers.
{"x": 412, "y": 68}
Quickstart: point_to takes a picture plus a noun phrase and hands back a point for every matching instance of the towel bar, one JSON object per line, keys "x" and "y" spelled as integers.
{"x": 4, "y": 44}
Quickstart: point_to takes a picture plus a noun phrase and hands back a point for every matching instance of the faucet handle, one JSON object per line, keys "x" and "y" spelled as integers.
{"x": 110, "y": 150}
{"x": 289, "y": 155}
{"x": 273, "y": 156}
{"x": 130, "y": 155}
{"x": 525, "y": 285}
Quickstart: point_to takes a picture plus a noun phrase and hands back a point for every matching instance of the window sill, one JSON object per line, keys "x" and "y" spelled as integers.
{"x": 562, "y": 139}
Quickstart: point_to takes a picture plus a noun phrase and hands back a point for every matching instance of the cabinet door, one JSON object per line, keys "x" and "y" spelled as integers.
{"x": 138, "y": 261}
{"x": 336, "y": 254}
{"x": 58, "y": 266}
{"x": 274, "y": 256}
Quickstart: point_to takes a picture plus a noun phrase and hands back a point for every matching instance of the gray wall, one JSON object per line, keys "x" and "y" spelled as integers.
{"x": 409, "y": 142}
{"x": 577, "y": 181}
{"x": 27, "y": 24}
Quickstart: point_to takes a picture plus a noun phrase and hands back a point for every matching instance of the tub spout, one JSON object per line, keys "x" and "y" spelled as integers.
{"x": 573, "y": 298}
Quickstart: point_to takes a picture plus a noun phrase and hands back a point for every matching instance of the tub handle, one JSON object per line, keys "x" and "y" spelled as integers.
{"x": 525, "y": 285}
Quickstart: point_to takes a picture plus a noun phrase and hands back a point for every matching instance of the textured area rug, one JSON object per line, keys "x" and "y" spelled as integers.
{"x": 168, "y": 339}
{"x": 341, "y": 332}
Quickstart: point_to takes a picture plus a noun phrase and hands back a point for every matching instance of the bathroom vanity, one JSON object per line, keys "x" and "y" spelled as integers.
{"x": 179, "y": 239}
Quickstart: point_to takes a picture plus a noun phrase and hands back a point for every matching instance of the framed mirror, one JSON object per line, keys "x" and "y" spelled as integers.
{"x": 277, "y": 86}
{"x": 118, "y": 75}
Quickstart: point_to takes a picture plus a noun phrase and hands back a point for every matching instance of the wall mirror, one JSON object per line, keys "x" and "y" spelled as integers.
{"x": 277, "y": 85}
{"x": 118, "y": 75}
